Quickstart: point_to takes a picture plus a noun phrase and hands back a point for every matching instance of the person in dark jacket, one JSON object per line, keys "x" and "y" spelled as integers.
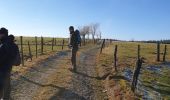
{"x": 8, "y": 52}
{"x": 74, "y": 46}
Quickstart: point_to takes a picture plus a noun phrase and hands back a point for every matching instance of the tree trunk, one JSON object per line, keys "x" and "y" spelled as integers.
{"x": 84, "y": 40}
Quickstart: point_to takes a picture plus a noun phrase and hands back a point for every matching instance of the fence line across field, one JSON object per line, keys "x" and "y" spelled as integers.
{"x": 40, "y": 45}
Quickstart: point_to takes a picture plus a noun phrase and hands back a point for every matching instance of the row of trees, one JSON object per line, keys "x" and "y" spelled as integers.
{"x": 90, "y": 30}
{"x": 155, "y": 41}
{"x": 161, "y": 41}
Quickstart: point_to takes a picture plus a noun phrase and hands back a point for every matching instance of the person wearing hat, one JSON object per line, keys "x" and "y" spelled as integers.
{"x": 8, "y": 52}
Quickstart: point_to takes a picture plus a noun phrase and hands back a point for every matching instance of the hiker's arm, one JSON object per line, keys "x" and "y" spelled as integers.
{"x": 71, "y": 40}
{"x": 2, "y": 54}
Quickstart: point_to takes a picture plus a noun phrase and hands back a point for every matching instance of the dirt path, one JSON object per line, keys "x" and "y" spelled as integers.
{"x": 25, "y": 87}
{"x": 51, "y": 80}
{"x": 85, "y": 81}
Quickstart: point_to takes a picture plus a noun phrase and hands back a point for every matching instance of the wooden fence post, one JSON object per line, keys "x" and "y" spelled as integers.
{"x": 138, "y": 52}
{"x": 158, "y": 51}
{"x": 115, "y": 58}
{"x": 165, "y": 52}
{"x": 36, "y": 47}
{"x": 136, "y": 74}
{"x": 42, "y": 45}
{"x": 55, "y": 41}
{"x": 29, "y": 48}
{"x": 22, "y": 53}
{"x": 84, "y": 40}
{"x": 52, "y": 44}
{"x": 63, "y": 45}
{"x": 102, "y": 46}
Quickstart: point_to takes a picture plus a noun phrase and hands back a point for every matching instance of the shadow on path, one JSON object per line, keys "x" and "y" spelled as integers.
{"x": 70, "y": 95}
{"x": 98, "y": 78}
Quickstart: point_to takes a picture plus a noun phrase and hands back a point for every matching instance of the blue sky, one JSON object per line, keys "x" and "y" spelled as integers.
{"x": 120, "y": 19}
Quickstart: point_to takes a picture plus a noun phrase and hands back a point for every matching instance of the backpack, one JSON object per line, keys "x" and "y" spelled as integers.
{"x": 78, "y": 40}
{"x": 17, "y": 59}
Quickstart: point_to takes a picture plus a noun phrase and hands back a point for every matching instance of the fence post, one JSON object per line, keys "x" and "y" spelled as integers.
{"x": 30, "y": 54}
{"x": 52, "y": 44}
{"x": 22, "y": 53}
{"x": 165, "y": 52}
{"x": 84, "y": 40}
{"x": 138, "y": 52}
{"x": 102, "y": 46}
{"x": 36, "y": 47}
{"x": 42, "y": 45}
{"x": 136, "y": 74}
{"x": 55, "y": 41}
{"x": 115, "y": 58}
{"x": 63, "y": 45}
{"x": 158, "y": 51}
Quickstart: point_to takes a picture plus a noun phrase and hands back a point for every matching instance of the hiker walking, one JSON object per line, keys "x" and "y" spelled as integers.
{"x": 74, "y": 41}
{"x": 9, "y": 56}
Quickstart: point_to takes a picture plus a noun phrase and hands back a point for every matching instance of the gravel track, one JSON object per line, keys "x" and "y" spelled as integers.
{"x": 84, "y": 85}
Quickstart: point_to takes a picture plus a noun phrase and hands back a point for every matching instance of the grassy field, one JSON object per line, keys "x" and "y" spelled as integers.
{"x": 47, "y": 51}
{"x": 127, "y": 56}
{"x": 47, "y": 45}
{"x": 127, "y": 52}
{"x": 32, "y": 39}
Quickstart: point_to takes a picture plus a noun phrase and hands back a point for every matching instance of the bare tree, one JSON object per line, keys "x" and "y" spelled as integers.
{"x": 99, "y": 35}
{"x": 94, "y": 29}
{"x": 85, "y": 30}
{"x": 91, "y": 29}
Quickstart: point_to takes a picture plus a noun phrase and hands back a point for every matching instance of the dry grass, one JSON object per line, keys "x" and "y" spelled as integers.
{"x": 127, "y": 55}
{"x": 47, "y": 45}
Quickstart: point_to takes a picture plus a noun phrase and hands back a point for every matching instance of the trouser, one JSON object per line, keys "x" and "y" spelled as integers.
{"x": 5, "y": 87}
{"x": 73, "y": 57}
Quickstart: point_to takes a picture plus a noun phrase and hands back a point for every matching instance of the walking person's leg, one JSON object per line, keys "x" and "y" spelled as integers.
{"x": 7, "y": 87}
{"x": 72, "y": 57}
{"x": 2, "y": 85}
{"x": 75, "y": 65}
{"x": 74, "y": 52}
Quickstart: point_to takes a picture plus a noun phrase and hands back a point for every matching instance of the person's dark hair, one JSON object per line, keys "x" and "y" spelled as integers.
{"x": 4, "y": 31}
{"x": 71, "y": 27}
{"x": 11, "y": 38}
